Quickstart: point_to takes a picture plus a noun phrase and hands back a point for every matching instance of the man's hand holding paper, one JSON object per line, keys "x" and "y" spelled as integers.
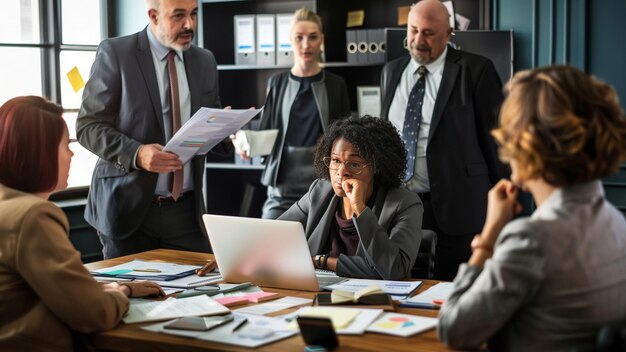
{"x": 207, "y": 128}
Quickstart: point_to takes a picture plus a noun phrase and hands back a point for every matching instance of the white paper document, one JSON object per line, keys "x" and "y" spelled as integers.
{"x": 258, "y": 331}
{"x": 191, "y": 281}
{"x": 173, "y": 308}
{"x": 401, "y": 288}
{"x": 274, "y": 306}
{"x": 206, "y": 129}
{"x": 255, "y": 143}
{"x": 402, "y": 324}
{"x": 356, "y": 326}
{"x": 440, "y": 291}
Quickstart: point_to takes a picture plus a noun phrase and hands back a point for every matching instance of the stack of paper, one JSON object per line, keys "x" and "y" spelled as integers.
{"x": 147, "y": 270}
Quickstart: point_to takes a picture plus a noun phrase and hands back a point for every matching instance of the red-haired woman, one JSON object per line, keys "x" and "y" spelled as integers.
{"x": 45, "y": 291}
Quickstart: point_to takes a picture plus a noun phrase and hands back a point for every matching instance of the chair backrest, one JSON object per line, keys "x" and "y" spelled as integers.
{"x": 611, "y": 338}
{"x": 424, "y": 267}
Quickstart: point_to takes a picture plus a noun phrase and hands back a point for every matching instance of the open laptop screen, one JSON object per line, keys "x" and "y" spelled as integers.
{"x": 272, "y": 253}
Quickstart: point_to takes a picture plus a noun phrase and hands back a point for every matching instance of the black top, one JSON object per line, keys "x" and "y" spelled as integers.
{"x": 305, "y": 123}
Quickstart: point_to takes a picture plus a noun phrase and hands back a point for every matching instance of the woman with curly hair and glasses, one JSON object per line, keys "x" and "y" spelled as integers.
{"x": 547, "y": 282}
{"x": 45, "y": 291}
{"x": 358, "y": 219}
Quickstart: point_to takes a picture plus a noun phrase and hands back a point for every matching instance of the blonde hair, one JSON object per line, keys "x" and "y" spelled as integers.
{"x": 306, "y": 14}
{"x": 561, "y": 125}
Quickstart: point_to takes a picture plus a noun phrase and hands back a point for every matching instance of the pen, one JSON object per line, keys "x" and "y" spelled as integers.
{"x": 420, "y": 305}
{"x": 147, "y": 270}
{"x": 240, "y": 324}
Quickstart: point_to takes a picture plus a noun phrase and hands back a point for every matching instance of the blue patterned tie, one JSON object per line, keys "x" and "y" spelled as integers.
{"x": 412, "y": 119}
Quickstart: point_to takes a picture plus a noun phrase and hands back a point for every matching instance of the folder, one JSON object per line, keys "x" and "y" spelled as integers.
{"x": 245, "y": 53}
{"x": 265, "y": 40}
{"x": 351, "y": 47}
{"x": 395, "y": 42}
{"x": 376, "y": 46}
{"x": 362, "y": 46}
{"x": 284, "y": 53}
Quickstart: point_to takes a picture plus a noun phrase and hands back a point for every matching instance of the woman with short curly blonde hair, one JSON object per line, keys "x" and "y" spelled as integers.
{"x": 547, "y": 282}
{"x": 562, "y": 125}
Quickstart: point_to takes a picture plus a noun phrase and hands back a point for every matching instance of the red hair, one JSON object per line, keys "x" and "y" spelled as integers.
{"x": 31, "y": 129}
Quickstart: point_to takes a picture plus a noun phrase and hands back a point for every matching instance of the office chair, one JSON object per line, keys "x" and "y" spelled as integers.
{"x": 611, "y": 338}
{"x": 424, "y": 267}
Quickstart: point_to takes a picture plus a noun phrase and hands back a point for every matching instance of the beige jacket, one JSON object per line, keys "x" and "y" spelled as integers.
{"x": 45, "y": 291}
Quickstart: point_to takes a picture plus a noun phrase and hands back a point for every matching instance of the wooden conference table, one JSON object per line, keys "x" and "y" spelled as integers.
{"x": 131, "y": 338}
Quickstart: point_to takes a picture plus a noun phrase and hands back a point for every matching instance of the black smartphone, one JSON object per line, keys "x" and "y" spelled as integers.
{"x": 198, "y": 323}
{"x": 318, "y": 332}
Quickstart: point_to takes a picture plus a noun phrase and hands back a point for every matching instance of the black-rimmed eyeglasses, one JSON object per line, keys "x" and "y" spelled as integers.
{"x": 354, "y": 167}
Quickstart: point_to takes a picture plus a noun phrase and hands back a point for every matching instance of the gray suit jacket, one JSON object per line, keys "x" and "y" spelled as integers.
{"x": 462, "y": 158}
{"x": 554, "y": 279}
{"x": 389, "y": 232}
{"x": 121, "y": 110}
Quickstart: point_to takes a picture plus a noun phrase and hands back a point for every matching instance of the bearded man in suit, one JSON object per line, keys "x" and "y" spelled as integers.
{"x": 454, "y": 159}
{"x": 127, "y": 117}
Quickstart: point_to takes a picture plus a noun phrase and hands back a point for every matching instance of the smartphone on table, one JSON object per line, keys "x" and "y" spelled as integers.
{"x": 318, "y": 333}
{"x": 199, "y": 323}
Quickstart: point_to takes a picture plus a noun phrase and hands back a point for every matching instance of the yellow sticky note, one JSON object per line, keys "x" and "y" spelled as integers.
{"x": 76, "y": 80}
{"x": 355, "y": 18}
{"x": 403, "y": 15}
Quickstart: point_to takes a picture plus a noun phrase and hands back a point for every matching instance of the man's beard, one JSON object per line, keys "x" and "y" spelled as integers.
{"x": 420, "y": 59}
{"x": 171, "y": 42}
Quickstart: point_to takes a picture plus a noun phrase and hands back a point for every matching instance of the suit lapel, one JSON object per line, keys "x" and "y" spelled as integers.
{"x": 146, "y": 65}
{"x": 450, "y": 73}
{"x": 192, "y": 68}
{"x": 392, "y": 85}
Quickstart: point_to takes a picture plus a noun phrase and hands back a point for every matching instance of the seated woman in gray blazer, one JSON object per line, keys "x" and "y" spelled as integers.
{"x": 358, "y": 220}
{"x": 549, "y": 281}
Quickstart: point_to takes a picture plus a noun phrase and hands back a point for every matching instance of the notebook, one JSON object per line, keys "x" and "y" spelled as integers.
{"x": 270, "y": 253}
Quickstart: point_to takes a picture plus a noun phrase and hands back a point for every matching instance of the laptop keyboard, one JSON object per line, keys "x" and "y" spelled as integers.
{"x": 327, "y": 278}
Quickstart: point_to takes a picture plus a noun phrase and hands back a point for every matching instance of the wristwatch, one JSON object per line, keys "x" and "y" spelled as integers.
{"x": 318, "y": 261}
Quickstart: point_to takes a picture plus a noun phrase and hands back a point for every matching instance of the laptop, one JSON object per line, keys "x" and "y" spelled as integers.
{"x": 271, "y": 253}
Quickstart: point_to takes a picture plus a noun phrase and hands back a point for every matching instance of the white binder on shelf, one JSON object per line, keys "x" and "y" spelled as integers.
{"x": 265, "y": 40}
{"x": 284, "y": 53}
{"x": 245, "y": 48}
{"x": 362, "y": 46}
{"x": 368, "y": 100}
{"x": 351, "y": 46}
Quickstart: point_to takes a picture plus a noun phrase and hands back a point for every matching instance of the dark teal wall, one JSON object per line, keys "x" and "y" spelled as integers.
{"x": 606, "y": 46}
{"x": 589, "y": 34}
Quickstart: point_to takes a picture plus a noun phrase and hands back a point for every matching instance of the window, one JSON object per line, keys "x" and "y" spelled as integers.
{"x": 34, "y": 61}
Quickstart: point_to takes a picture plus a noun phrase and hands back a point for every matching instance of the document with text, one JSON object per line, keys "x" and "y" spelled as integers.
{"x": 206, "y": 129}
{"x": 173, "y": 308}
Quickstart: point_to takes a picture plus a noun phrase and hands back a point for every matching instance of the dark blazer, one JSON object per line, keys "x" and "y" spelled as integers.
{"x": 121, "y": 110}
{"x": 389, "y": 231}
{"x": 462, "y": 156}
{"x": 332, "y": 106}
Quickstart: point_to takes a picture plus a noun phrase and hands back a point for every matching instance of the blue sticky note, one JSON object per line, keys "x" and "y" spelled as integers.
{"x": 117, "y": 272}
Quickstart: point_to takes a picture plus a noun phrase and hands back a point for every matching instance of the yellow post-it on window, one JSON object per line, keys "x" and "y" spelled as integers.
{"x": 403, "y": 15}
{"x": 76, "y": 80}
{"x": 355, "y": 18}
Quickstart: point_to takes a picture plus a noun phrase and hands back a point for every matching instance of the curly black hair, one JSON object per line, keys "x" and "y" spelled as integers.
{"x": 377, "y": 141}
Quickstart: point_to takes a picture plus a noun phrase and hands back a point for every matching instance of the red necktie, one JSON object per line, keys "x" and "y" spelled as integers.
{"x": 177, "y": 176}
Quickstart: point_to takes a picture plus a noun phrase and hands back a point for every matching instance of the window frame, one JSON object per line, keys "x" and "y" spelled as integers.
{"x": 51, "y": 46}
